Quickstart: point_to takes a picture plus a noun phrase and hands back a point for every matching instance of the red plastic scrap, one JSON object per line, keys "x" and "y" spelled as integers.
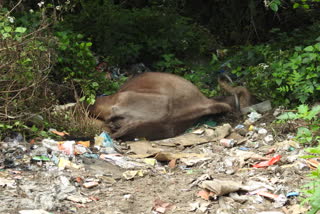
{"x": 268, "y": 195}
{"x": 267, "y": 163}
{"x": 161, "y": 206}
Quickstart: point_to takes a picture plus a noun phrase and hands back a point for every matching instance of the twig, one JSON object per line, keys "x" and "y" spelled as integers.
{"x": 36, "y": 31}
{"x": 14, "y": 8}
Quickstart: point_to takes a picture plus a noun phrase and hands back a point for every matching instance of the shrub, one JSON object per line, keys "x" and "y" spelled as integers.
{"x": 125, "y": 36}
{"x": 286, "y": 74}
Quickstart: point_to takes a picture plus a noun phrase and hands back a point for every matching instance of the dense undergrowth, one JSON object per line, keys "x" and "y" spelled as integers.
{"x": 53, "y": 54}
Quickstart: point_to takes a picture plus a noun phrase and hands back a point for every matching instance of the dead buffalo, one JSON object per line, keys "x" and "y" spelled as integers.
{"x": 160, "y": 105}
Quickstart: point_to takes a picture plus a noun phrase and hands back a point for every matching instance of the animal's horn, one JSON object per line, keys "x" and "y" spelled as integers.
{"x": 236, "y": 98}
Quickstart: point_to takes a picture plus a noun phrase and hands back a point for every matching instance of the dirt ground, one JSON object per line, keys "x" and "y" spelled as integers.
{"x": 208, "y": 170}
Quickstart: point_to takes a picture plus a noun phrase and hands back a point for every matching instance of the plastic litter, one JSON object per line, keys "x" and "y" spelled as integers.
{"x": 54, "y": 131}
{"x": 41, "y": 158}
{"x": 254, "y": 116}
{"x": 228, "y": 143}
{"x": 84, "y": 143}
{"x": 262, "y": 131}
{"x": 90, "y": 184}
{"x": 221, "y": 187}
{"x": 78, "y": 199}
{"x": 270, "y": 212}
{"x": 260, "y": 107}
{"x": 292, "y": 194}
{"x": 121, "y": 161}
{"x": 133, "y": 173}
{"x": 161, "y": 206}
{"x": 239, "y": 126}
{"x": 33, "y": 212}
{"x": 270, "y": 162}
{"x": 201, "y": 206}
{"x": 104, "y": 140}
{"x": 268, "y": 139}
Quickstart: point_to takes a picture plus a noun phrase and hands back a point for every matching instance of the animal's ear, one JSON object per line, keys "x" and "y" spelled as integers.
{"x": 220, "y": 108}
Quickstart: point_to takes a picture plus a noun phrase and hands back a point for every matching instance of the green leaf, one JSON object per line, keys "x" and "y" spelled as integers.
{"x": 8, "y": 28}
{"x": 314, "y": 150}
{"x": 287, "y": 116}
{"x": 82, "y": 99}
{"x": 274, "y": 7}
{"x": 306, "y": 6}
{"x": 20, "y": 30}
{"x": 309, "y": 49}
{"x": 296, "y": 5}
{"x": 303, "y": 109}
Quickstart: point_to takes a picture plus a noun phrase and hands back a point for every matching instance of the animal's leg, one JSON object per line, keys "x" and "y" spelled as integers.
{"x": 197, "y": 111}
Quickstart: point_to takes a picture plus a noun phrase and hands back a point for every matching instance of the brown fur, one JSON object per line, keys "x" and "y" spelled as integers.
{"x": 155, "y": 106}
{"x": 244, "y": 96}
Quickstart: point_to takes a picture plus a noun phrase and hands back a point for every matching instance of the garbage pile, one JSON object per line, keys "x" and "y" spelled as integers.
{"x": 245, "y": 168}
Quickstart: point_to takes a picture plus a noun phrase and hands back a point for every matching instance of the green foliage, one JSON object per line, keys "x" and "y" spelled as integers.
{"x": 307, "y": 133}
{"x": 312, "y": 189}
{"x": 76, "y": 64}
{"x": 125, "y": 36}
{"x": 25, "y": 59}
{"x": 305, "y": 4}
{"x": 171, "y": 64}
{"x": 289, "y": 68}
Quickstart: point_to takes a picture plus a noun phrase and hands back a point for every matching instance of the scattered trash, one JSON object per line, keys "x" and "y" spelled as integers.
{"x": 201, "y": 206}
{"x": 41, "y": 158}
{"x": 70, "y": 175}
{"x": 240, "y": 126}
{"x": 33, "y": 212}
{"x": 198, "y": 131}
{"x": 268, "y": 139}
{"x": 292, "y": 194}
{"x": 270, "y": 212}
{"x": 54, "y": 131}
{"x": 205, "y": 194}
{"x": 121, "y": 161}
{"x": 105, "y": 141}
{"x": 7, "y": 183}
{"x": 90, "y": 184}
{"x": 191, "y": 161}
{"x": 253, "y": 117}
{"x": 84, "y": 143}
{"x": 65, "y": 163}
{"x": 262, "y": 131}
{"x": 270, "y": 162}
{"x": 228, "y": 143}
{"x": 150, "y": 161}
{"x": 260, "y": 107}
{"x": 133, "y": 173}
{"x": 67, "y": 147}
{"x": 167, "y": 156}
{"x": 78, "y": 199}
{"x": 219, "y": 187}
{"x": 161, "y": 206}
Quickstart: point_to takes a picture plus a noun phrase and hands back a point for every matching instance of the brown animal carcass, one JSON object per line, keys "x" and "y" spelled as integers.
{"x": 159, "y": 105}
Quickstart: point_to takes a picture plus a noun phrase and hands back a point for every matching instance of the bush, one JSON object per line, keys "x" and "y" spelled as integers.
{"x": 286, "y": 74}
{"x": 26, "y": 59}
{"x": 125, "y": 36}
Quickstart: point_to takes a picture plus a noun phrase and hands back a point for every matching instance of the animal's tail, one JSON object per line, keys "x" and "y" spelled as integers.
{"x": 241, "y": 94}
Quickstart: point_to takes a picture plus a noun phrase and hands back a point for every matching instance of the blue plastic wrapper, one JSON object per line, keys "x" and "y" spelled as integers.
{"x": 291, "y": 194}
{"x": 107, "y": 141}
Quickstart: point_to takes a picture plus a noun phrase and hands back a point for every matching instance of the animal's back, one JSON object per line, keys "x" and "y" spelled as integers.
{"x": 181, "y": 90}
